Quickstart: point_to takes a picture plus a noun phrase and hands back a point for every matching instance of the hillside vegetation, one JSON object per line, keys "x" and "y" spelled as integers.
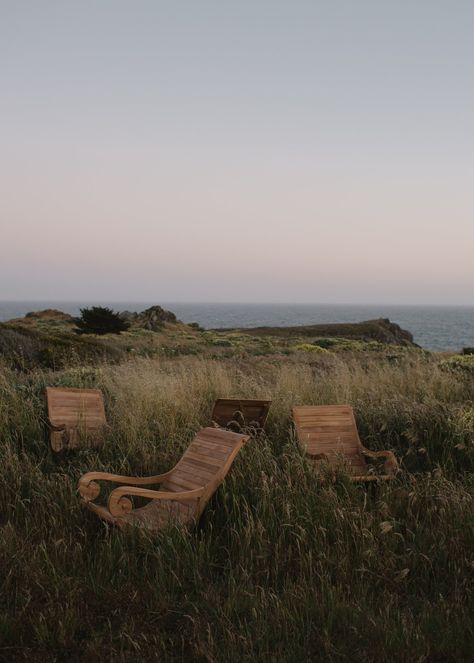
{"x": 380, "y": 330}
{"x": 49, "y": 339}
{"x": 282, "y": 567}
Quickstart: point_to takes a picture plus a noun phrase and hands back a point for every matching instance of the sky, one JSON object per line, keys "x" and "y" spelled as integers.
{"x": 251, "y": 151}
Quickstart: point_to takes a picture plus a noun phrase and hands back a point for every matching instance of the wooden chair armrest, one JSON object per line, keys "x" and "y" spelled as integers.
{"x": 89, "y": 489}
{"x": 390, "y": 465}
{"x": 376, "y": 454}
{"x": 119, "y": 505}
{"x": 61, "y": 427}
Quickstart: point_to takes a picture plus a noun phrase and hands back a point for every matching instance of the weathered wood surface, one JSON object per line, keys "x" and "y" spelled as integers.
{"x": 76, "y": 417}
{"x": 184, "y": 491}
{"x": 328, "y": 434}
{"x": 240, "y": 413}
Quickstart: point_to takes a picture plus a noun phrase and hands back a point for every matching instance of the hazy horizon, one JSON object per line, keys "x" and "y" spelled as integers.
{"x": 305, "y": 152}
{"x": 164, "y": 302}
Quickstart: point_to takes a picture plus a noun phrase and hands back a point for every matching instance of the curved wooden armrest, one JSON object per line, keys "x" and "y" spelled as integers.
{"x": 89, "y": 489}
{"x": 119, "y": 505}
{"x": 390, "y": 465}
{"x": 61, "y": 427}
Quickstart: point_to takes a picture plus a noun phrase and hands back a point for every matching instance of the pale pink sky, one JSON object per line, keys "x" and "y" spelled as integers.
{"x": 264, "y": 151}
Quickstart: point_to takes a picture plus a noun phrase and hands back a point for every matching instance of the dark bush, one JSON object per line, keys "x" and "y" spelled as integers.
{"x": 100, "y": 320}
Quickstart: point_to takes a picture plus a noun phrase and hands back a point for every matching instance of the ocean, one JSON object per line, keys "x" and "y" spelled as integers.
{"x": 440, "y": 328}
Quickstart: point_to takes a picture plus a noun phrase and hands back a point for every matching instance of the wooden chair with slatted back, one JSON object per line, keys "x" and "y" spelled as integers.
{"x": 184, "y": 491}
{"x": 328, "y": 435}
{"x": 240, "y": 414}
{"x": 76, "y": 417}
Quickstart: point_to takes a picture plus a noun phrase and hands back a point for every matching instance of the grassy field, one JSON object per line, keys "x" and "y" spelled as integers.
{"x": 281, "y": 567}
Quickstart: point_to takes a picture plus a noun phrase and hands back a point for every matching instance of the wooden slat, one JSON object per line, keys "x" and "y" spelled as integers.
{"x": 67, "y": 405}
{"x": 203, "y": 465}
{"x": 215, "y": 435}
{"x": 77, "y": 410}
{"x": 195, "y": 471}
{"x": 179, "y": 483}
{"x": 218, "y": 454}
{"x": 212, "y": 444}
{"x": 209, "y": 463}
{"x": 332, "y": 431}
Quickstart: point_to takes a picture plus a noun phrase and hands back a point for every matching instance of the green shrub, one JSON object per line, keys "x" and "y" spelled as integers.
{"x": 100, "y": 320}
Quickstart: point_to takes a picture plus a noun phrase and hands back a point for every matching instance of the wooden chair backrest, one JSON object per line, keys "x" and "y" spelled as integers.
{"x": 205, "y": 463}
{"x": 253, "y": 411}
{"x": 75, "y": 407}
{"x": 330, "y": 430}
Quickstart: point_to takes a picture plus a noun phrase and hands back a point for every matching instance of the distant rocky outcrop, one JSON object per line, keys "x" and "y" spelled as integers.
{"x": 49, "y": 314}
{"x": 381, "y": 330}
{"x": 153, "y": 318}
{"x": 48, "y": 339}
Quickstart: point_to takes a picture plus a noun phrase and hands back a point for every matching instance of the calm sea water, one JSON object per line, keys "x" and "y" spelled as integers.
{"x": 433, "y": 327}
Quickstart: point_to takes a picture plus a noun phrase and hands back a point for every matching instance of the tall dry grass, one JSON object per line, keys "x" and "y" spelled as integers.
{"x": 281, "y": 566}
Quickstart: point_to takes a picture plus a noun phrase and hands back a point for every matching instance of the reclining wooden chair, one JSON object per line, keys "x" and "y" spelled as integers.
{"x": 184, "y": 491}
{"x": 240, "y": 415}
{"x": 76, "y": 417}
{"x": 328, "y": 433}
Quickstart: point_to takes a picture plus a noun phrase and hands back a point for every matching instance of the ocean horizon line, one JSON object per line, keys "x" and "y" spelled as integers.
{"x": 231, "y": 303}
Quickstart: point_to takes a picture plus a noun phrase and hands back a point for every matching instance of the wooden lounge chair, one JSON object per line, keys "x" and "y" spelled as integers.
{"x": 76, "y": 417}
{"x": 240, "y": 414}
{"x": 328, "y": 433}
{"x": 184, "y": 490}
